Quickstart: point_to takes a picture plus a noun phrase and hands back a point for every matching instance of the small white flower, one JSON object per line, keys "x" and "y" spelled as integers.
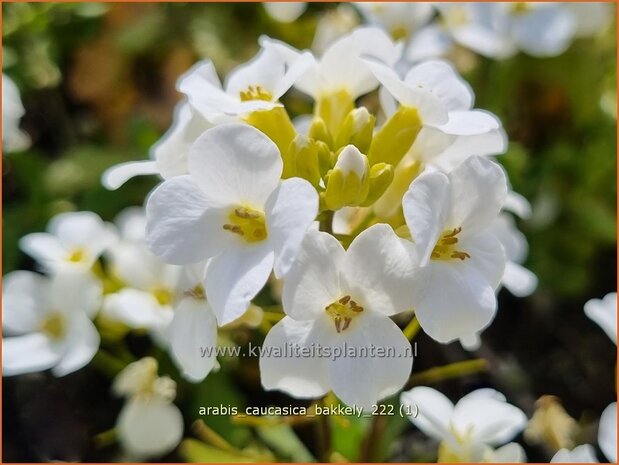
{"x": 13, "y": 139}
{"x": 607, "y": 433}
{"x": 74, "y": 239}
{"x": 252, "y": 86}
{"x": 232, "y": 209}
{"x": 479, "y": 420}
{"x": 285, "y": 12}
{"x": 604, "y": 313}
{"x": 341, "y": 67}
{"x": 49, "y": 321}
{"x": 335, "y": 298}
{"x": 461, "y": 260}
{"x": 149, "y": 424}
{"x": 400, "y": 19}
{"x": 581, "y": 454}
{"x": 168, "y": 155}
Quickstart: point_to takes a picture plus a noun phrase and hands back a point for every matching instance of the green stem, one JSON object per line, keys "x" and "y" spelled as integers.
{"x": 412, "y": 329}
{"x": 453, "y": 370}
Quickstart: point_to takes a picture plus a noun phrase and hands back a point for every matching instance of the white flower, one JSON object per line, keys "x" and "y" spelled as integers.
{"x": 333, "y": 24}
{"x": 49, "y": 321}
{"x": 168, "y": 155}
{"x": 232, "y": 209}
{"x": 461, "y": 260}
{"x": 149, "y": 424}
{"x": 13, "y": 139}
{"x": 341, "y": 299}
{"x": 341, "y": 67}
{"x": 255, "y": 85}
{"x": 479, "y": 420}
{"x": 400, "y": 19}
{"x": 607, "y": 433}
{"x": 581, "y": 454}
{"x": 74, "y": 239}
{"x": 285, "y": 12}
{"x": 604, "y": 313}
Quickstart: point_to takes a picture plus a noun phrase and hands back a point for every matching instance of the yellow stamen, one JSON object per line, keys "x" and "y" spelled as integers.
{"x": 248, "y": 223}
{"x": 54, "y": 326}
{"x": 163, "y": 295}
{"x": 255, "y": 93}
{"x": 77, "y": 255}
{"x": 342, "y": 312}
{"x": 445, "y": 248}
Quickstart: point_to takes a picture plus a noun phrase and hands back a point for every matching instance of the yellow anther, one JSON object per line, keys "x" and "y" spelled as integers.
{"x": 519, "y": 8}
{"x": 248, "y": 223}
{"x": 196, "y": 292}
{"x": 255, "y": 93}
{"x": 342, "y": 312}
{"x": 445, "y": 247}
{"x": 77, "y": 255}
{"x": 54, "y": 326}
{"x": 163, "y": 295}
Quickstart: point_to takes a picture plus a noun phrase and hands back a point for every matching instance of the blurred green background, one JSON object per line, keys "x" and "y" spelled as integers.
{"x": 97, "y": 81}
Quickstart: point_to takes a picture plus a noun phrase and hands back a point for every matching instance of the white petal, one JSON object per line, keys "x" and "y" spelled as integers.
{"x": 137, "y": 309}
{"x": 426, "y": 207}
{"x": 265, "y": 69}
{"x": 285, "y": 12}
{"x": 470, "y": 123}
{"x": 313, "y": 282}
{"x": 28, "y": 354}
{"x": 80, "y": 229}
{"x": 183, "y": 227}
{"x": 488, "y": 418}
{"x": 234, "y": 278}
{"x": 363, "y": 381}
{"x": 518, "y": 205}
{"x": 431, "y": 41}
{"x": 509, "y": 453}
{"x": 290, "y": 210}
{"x": 296, "y": 69}
{"x": 193, "y": 329}
{"x": 518, "y": 280}
{"x": 115, "y": 176}
{"x": 81, "y": 346}
{"x": 379, "y": 266}
{"x": 581, "y": 454}
{"x": 471, "y": 342}
{"x": 604, "y": 313}
{"x": 75, "y": 290}
{"x": 478, "y": 191}
{"x": 452, "y": 300}
{"x": 547, "y": 30}
{"x": 280, "y": 368}
{"x": 607, "y": 433}
{"x": 486, "y": 255}
{"x": 434, "y": 411}
{"x": 149, "y": 429}
{"x": 235, "y": 164}
{"x": 24, "y": 301}
{"x": 440, "y": 78}
{"x": 45, "y": 248}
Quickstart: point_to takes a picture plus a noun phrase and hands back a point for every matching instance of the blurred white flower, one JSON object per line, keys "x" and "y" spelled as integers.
{"x": 232, "y": 209}
{"x": 461, "y": 260}
{"x": 333, "y": 24}
{"x": 592, "y": 18}
{"x": 149, "y": 424}
{"x": 343, "y": 299}
{"x": 72, "y": 240}
{"x": 604, "y": 313}
{"x": 469, "y": 430}
{"x": 49, "y": 321}
{"x": 581, "y": 454}
{"x": 399, "y": 19}
{"x": 285, "y": 12}
{"x": 13, "y": 138}
{"x": 168, "y": 155}
{"x": 607, "y": 433}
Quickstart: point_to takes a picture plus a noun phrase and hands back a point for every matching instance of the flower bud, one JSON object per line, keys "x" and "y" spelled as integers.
{"x": 318, "y": 130}
{"x": 380, "y": 179}
{"x": 395, "y": 137}
{"x": 357, "y": 130}
{"x": 347, "y": 184}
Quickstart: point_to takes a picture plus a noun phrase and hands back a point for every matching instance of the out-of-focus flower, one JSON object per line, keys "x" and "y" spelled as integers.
{"x": 232, "y": 209}
{"x": 400, "y": 19}
{"x": 461, "y": 261}
{"x": 469, "y": 430}
{"x": 49, "y": 321}
{"x": 149, "y": 424}
{"x": 13, "y": 139}
{"x": 551, "y": 425}
{"x": 581, "y": 454}
{"x": 338, "y": 299}
{"x": 72, "y": 240}
{"x": 604, "y": 313}
{"x": 607, "y": 433}
{"x": 285, "y": 12}
{"x": 332, "y": 25}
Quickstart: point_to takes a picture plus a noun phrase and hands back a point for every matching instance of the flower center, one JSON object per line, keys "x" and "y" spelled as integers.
{"x": 54, "y": 326}
{"x": 445, "y": 248}
{"x": 248, "y": 223}
{"x": 255, "y": 93}
{"x": 77, "y": 255}
{"x": 163, "y": 295}
{"x": 342, "y": 312}
{"x": 197, "y": 292}
{"x": 519, "y": 8}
